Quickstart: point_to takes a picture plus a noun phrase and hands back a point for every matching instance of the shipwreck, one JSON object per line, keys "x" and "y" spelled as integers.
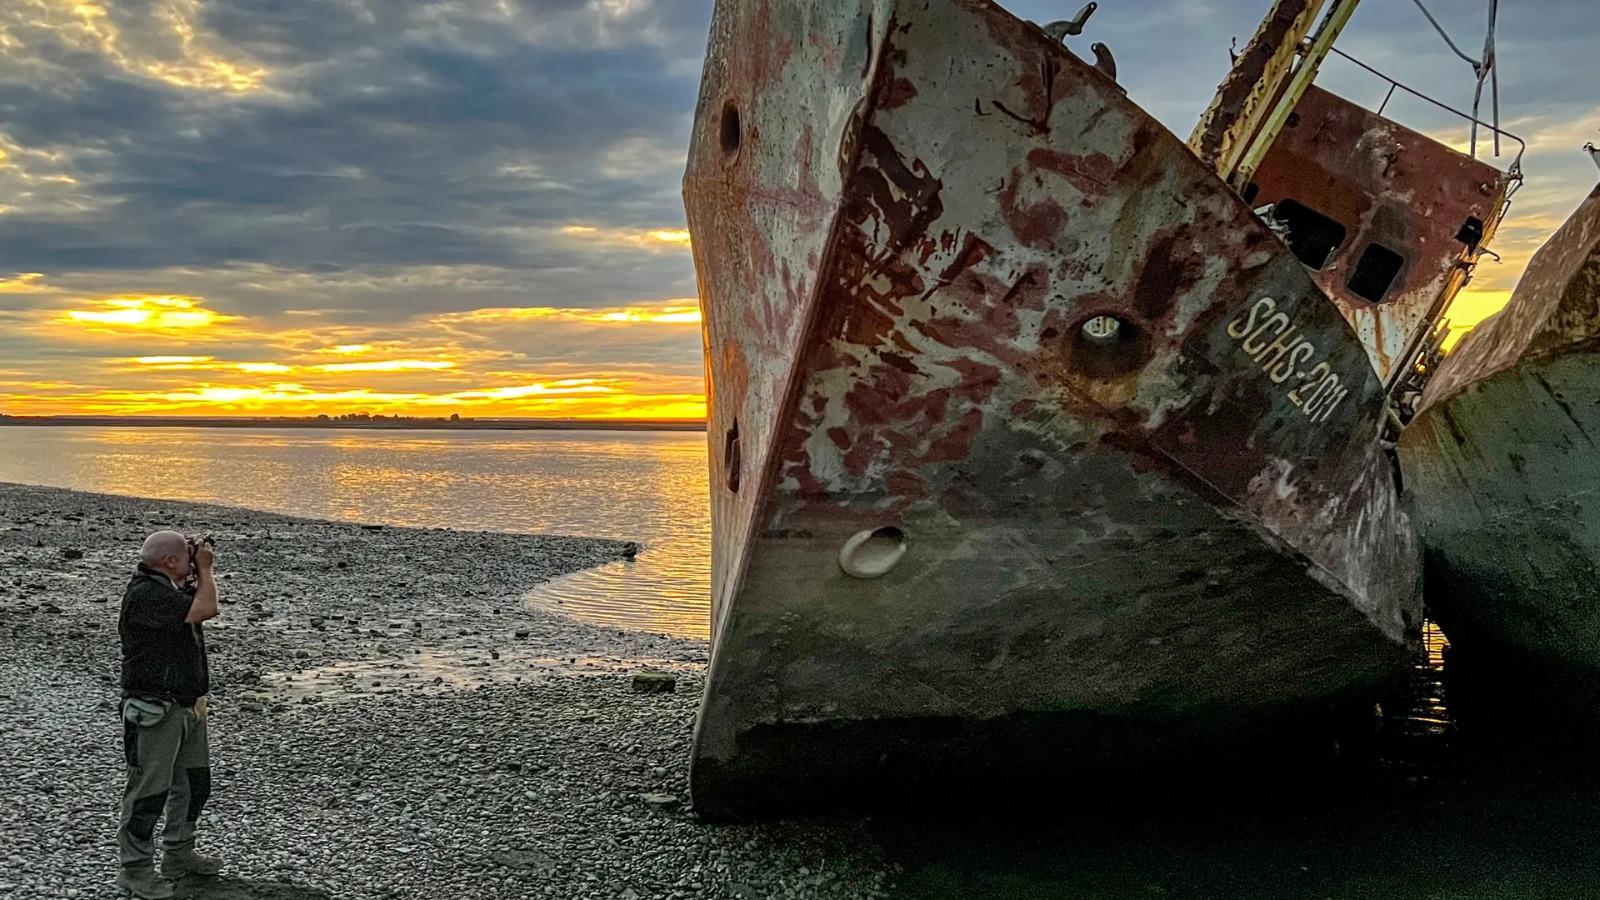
{"x": 1042, "y": 441}
{"x": 1501, "y": 462}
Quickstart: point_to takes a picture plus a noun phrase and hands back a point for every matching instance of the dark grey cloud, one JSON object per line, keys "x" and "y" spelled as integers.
{"x": 389, "y": 134}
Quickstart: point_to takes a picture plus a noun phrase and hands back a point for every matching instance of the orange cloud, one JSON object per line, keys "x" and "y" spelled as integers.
{"x": 171, "y": 361}
{"x": 146, "y": 312}
{"x": 183, "y": 56}
{"x": 672, "y": 312}
{"x": 646, "y": 238}
{"x": 387, "y": 365}
{"x": 565, "y": 387}
{"x": 25, "y": 282}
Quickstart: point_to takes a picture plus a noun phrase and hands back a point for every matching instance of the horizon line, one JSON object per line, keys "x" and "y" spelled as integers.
{"x": 379, "y": 420}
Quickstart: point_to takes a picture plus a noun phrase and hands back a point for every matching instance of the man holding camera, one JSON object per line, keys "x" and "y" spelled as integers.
{"x": 165, "y": 678}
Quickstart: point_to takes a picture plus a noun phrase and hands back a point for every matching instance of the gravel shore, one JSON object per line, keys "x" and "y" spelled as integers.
{"x": 389, "y": 720}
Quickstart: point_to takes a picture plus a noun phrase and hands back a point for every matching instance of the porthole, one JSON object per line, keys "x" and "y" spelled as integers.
{"x": 1101, "y": 329}
{"x": 731, "y": 457}
{"x": 1105, "y": 344}
{"x": 730, "y": 131}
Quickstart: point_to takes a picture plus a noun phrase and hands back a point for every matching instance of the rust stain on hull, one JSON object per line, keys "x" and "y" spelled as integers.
{"x": 1113, "y": 449}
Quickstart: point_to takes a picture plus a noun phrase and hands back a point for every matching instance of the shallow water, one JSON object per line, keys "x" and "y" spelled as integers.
{"x": 455, "y": 668}
{"x": 648, "y": 487}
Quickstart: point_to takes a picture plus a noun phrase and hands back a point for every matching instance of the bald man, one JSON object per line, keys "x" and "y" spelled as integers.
{"x": 165, "y": 678}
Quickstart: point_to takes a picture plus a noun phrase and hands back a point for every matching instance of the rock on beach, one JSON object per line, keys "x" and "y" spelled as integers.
{"x": 654, "y": 683}
{"x": 389, "y": 720}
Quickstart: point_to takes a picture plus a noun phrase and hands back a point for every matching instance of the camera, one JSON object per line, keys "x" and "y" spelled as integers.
{"x": 194, "y": 546}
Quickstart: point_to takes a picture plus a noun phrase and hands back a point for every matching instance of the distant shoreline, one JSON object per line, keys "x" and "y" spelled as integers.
{"x": 386, "y": 424}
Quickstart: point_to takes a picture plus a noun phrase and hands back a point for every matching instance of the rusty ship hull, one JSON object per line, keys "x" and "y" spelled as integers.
{"x": 1032, "y": 449}
{"x": 1502, "y": 462}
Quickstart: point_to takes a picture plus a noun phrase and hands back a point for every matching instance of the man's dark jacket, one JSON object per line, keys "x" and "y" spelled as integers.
{"x": 163, "y": 656}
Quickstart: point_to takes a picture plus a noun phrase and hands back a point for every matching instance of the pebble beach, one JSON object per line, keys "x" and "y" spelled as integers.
{"x": 389, "y": 719}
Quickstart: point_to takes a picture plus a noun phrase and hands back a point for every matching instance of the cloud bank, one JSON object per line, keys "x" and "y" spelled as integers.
{"x": 335, "y": 205}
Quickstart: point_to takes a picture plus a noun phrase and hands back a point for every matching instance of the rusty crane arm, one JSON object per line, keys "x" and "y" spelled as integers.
{"x": 1246, "y": 95}
{"x": 1255, "y": 99}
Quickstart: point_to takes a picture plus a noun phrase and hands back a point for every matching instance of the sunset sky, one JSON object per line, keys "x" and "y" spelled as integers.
{"x": 256, "y": 206}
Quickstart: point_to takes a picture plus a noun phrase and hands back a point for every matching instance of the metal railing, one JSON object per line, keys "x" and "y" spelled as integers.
{"x": 1514, "y": 170}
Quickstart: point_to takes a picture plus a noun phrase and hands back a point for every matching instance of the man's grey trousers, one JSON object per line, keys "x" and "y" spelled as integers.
{"x": 169, "y": 767}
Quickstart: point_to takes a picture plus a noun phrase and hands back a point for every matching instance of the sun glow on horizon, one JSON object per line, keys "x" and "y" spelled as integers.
{"x": 429, "y": 364}
{"x": 1469, "y": 309}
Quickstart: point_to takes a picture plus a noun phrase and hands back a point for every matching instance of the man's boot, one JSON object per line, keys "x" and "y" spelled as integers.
{"x": 143, "y": 882}
{"x": 177, "y": 863}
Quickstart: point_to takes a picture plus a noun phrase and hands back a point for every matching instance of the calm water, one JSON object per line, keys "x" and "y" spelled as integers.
{"x": 648, "y": 487}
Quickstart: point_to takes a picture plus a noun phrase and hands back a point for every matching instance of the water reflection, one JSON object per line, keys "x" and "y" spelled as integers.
{"x": 463, "y": 666}
{"x": 648, "y": 487}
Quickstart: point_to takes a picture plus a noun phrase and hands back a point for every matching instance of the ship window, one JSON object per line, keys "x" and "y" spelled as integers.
{"x": 1375, "y": 273}
{"x": 1251, "y": 192}
{"x": 1312, "y": 236}
{"x": 1471, "y": 232}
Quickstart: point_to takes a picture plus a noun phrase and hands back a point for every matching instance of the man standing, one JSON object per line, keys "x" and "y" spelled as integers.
{"x": 165, "y": 678}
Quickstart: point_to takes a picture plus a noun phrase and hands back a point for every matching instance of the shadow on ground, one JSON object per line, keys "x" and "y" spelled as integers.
{"x": 1512, "y": 835}
{"x": 228, "y": 888}
{"x": 1496, "y": 797}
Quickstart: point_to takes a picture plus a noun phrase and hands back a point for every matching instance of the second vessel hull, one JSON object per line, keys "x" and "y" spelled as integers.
{"x": 1504, "y": 467}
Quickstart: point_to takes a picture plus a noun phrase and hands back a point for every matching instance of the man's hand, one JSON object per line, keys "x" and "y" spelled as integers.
{"x": 205, "y": 595}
